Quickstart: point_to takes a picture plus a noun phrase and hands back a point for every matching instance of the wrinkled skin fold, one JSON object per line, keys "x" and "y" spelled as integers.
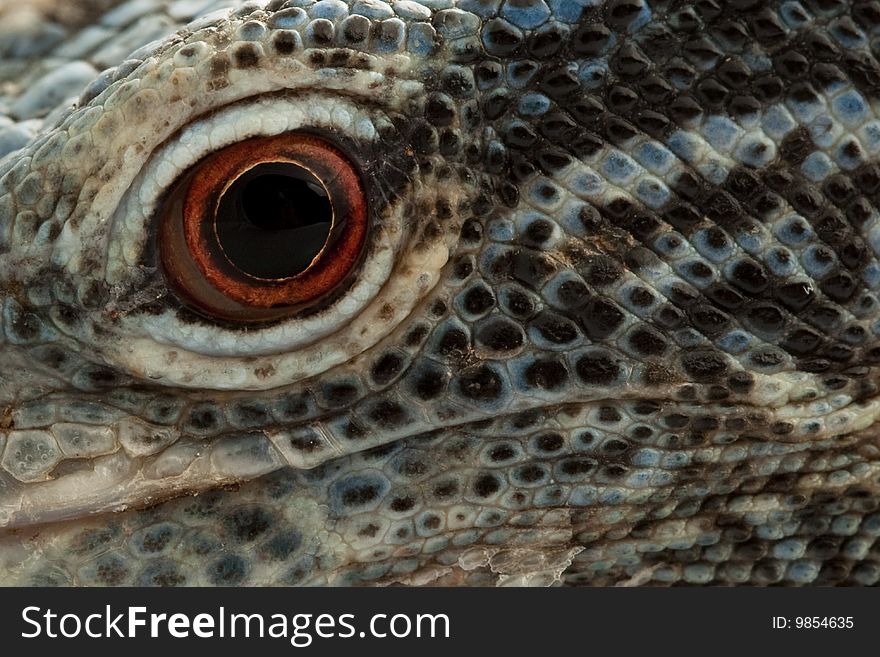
{"x": 615, "y": 321}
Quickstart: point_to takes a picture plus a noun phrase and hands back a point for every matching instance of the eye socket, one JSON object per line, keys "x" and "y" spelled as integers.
{"x": 264, "y": 227}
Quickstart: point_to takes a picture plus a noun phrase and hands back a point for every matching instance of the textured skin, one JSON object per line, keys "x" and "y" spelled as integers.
{"x": 617, "y": 321}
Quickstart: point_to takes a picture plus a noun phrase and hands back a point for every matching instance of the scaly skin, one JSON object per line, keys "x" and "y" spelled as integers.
{"x": 615, "y": 323}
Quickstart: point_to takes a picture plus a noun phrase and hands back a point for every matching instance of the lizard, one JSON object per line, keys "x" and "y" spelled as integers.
{"x": 605, "y": 308}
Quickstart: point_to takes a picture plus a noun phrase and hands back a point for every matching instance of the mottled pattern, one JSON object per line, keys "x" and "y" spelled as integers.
{"x": 617, "y": 320}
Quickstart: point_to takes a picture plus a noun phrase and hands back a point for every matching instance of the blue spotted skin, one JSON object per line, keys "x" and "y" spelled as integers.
{"x": 651, "y": 357}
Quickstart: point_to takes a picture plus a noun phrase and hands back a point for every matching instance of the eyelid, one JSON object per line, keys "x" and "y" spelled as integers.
{"x": 131, "y": 228}
{"x": 159, "y": 344}
{"x": 222, "y": 128}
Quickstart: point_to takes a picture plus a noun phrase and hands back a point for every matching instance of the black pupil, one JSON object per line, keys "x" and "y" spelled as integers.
{"x": 273, "y": 220}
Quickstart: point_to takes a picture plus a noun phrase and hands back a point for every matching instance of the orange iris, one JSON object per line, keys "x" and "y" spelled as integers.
{"x": 264, "y": 227}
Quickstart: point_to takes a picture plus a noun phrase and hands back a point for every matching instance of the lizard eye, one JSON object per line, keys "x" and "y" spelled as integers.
{"x": 264, "y": 227}
{"x": 238, "y": 239}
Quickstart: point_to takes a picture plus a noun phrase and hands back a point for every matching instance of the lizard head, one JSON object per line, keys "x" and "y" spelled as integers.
{"x": 533, "y": 279}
